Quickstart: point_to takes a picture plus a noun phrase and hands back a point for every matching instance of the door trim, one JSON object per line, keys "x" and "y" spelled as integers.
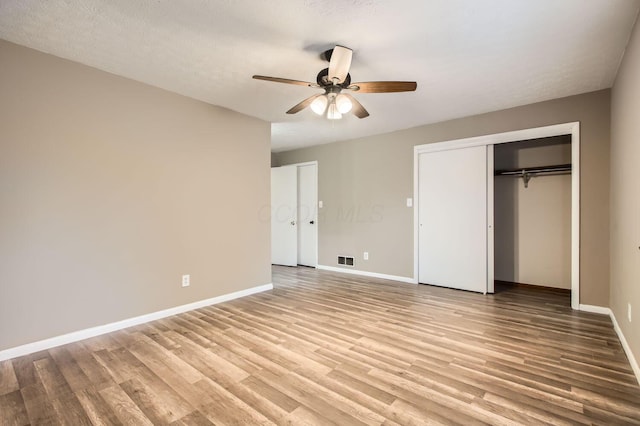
{"x": 572, "y": 128}
{"x": 490, "y": 219}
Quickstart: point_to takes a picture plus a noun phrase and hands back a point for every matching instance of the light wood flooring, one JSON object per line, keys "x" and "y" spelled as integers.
{"x": 326, "y": 348}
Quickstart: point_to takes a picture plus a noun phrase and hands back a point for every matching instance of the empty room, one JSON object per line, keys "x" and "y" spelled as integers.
{"x": 304, "y": 212}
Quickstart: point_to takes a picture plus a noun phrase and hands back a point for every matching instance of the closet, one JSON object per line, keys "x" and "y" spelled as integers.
{"x": 500, "y": 207}
{"x": 532, "y": 212}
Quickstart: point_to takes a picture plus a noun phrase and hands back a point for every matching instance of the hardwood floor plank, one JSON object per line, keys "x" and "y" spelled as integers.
{"x": 599, "y": 401}
{"x": 96, "y": 408}
{"x": 147, "y": 351}
{"x": 209, "y": 364}
{"x": 259, "y": 402}
{"x": 356, "y": 403}
{"x": 247, "y": 350}
{"x": 360, "y": 387}
{"x": 150, "y": 403}
{"x": 419, "y": 394}
{"x": 38, "y": 405}
{"x": 120, "y": 363}
{"x": 516, "y": 415}
{"x": 69, "y": 411}
{"x": 304, "y": 416}
{"x": 25, "y": 370}
{"x": 171, "y": 404}
{"x": 226, "y": 408}
{"x": 533, "y": 414}
{"x": 97, "y": 374}
{"x": 269, "y": 392}
{"x": 314, "y": 398}
{"x": 124, "y": 408}
{"x": 70, "y": 369}
{"x": 410, "y": 414}
{"x": 51, "y": 378}
{"x": 12, "y": 409}
{"x": 563, "y": 405}
{"x": 605, "y": 417}
{"x": 8, "y": 379}
{"x": 192, "y": 419}
{"x": 156, "y": 332}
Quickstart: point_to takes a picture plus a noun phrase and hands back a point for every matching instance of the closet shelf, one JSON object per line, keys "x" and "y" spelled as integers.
{"x": 526, "y": 173}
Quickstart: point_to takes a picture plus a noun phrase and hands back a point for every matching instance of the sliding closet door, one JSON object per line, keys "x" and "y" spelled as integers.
{"x": 453, "y": 218}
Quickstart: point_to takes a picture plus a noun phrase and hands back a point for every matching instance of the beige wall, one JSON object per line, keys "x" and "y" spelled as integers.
{"x": 364, "y": 184}
{"x": 625, "y": 194}
{"x": 532, "y": 225}
{"x": 110, "y": 190}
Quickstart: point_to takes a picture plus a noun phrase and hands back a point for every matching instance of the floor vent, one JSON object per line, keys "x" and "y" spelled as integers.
{"x": 345, "y": 260}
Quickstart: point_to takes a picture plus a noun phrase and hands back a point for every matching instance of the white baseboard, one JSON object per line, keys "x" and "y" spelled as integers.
{"x": 595, "y": 309}
{"x": 119, "y": 325}
{"x": 627, "y": 348}
{"x": 616, "y": 327}
{"x": 368, "y": 274}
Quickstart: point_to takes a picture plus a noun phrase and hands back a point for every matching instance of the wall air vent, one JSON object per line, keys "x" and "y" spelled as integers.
{"x": 345, "y": 260}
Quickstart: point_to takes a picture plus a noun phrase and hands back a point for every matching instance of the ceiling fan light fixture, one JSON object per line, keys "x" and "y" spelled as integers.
{"x": 333, "y": 113}
{"x": 343, "y": 103}
{"x": 319, "y": 105}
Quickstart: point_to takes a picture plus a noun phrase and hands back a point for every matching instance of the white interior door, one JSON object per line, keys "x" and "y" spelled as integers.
{"x": 307, "y": 215}
{"x": 452, "y": 213}
{"x": 284, "y": 211}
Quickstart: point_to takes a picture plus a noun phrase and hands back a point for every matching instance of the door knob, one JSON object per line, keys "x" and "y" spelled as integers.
{"x": 311, "y": 223}
{"x": 293, "y": 222}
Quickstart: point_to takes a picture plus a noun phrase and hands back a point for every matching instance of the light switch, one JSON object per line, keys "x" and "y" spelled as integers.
{"x": 409, "y": 202}
{"x": 319, "y": 204}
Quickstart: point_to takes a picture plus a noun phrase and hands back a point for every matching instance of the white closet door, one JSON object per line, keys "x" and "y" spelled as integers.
{"x": 284, "y": 211}
{"x": 453, "y": 218}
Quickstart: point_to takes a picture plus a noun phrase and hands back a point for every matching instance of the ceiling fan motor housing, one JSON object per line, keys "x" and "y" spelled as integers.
{"x": 323, "y": 79}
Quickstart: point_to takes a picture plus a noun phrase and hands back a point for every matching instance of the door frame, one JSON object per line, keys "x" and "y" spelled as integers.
{"x": 572, "y": 128}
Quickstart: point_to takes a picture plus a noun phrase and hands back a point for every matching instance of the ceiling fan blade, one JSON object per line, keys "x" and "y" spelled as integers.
{"x": 384, "y": 86}
{"x": 302, "y": 105}
{"x": 340, "y": 63}
{"x": 357, "y": 109}
{"x": 284, "y": 80}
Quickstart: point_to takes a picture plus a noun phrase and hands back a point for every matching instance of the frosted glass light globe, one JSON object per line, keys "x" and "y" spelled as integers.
{"x": 319, "y": 104}
{"x": 343, "y": 103}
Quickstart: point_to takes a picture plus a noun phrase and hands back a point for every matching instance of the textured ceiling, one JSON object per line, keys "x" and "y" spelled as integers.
{"x": 468, "y": 56}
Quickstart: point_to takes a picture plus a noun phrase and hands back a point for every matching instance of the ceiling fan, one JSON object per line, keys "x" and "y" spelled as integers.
{"x": 335, "y": 80}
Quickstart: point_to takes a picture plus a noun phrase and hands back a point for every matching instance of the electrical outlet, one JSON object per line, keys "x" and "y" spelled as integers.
{"x": 185, "y": 281}
{"x": 629, "y": 311}
{"x": 365, "y": 256}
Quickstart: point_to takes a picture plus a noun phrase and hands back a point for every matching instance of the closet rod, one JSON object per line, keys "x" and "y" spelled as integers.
{"x": 527, "y": 172}
{"x": 531, "y": 170}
